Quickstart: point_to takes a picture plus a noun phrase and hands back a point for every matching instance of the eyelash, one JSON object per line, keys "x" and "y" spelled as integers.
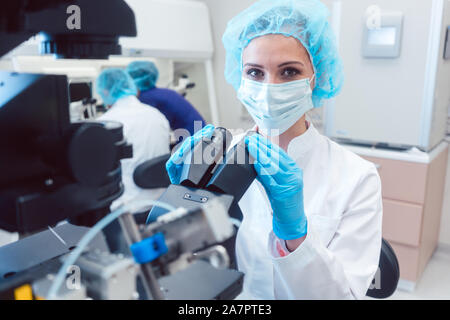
{"x": 258, "y": 74}
{"x": 295, "y": 72}
{"x": 250, "y": 71}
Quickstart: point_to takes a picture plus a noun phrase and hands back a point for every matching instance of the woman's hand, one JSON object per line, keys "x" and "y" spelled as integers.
{"x": 175, "y": 164}
{"x": 283, "y": 181}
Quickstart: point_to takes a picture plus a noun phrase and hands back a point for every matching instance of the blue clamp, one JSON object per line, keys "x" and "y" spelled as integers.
{"x": 149, "y": 249}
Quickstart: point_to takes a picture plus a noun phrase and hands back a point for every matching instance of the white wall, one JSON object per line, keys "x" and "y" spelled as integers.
{"x": 221, "y": 12}
{"x": 444, "y": 235}
{"x": 197, "y": 96}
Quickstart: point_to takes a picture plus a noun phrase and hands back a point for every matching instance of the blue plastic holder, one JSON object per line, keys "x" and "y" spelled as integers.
{"x": 149, "y": 249}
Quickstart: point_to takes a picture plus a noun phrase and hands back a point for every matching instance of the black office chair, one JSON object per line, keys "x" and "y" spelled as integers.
{"x": 152, "y": 173}
{"x": 386, "y": 279}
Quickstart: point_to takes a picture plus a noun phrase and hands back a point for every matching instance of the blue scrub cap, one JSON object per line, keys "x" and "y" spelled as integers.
{"x": 305, "y": 20}
{"x": 113, "y": 84}
{"x": 144, "y": 73}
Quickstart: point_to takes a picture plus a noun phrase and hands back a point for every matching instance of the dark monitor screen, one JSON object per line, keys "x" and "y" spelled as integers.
{"x": 80, "y": 90}
{"x": 34, "y": 109}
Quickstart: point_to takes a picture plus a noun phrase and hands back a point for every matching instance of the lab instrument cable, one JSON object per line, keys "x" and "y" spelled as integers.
{"x": 85, "y": 240}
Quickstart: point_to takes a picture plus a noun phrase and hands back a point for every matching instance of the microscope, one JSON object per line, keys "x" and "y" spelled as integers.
{"x": 59, "y": 179}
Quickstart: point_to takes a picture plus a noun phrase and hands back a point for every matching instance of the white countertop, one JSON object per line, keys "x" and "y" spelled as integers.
{"x": 410, "y": 155}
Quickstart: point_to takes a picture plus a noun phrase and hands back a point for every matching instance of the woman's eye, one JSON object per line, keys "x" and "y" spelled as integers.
{"x": 255, "y": 73}
{"x": 290, "y": 73}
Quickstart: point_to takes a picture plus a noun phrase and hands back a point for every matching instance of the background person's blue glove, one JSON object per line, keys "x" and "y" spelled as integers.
{"x": 283, "y": 181}
{"x": 174, "y": 165}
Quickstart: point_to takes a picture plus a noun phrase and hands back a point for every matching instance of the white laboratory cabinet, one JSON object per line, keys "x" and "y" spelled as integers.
{"x": 170, "y": 29}
{"x": 397, "y": 72}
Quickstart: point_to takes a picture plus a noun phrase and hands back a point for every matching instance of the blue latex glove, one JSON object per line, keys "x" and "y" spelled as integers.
{"x": 175, "y": 164}
{"x": 283, "y": 181}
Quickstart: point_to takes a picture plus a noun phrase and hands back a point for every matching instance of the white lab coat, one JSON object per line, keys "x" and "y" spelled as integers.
{"x": 343, "y": 204}
{"x": 148, "y": 131}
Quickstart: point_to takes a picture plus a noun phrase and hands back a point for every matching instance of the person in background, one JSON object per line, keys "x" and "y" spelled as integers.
{"x": 144, "y": 127}
{"x": 180, "y": 113}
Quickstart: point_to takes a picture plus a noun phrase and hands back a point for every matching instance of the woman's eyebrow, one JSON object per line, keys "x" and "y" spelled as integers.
{"x": 290, "y": 62}
{"x": 253, "y": 65}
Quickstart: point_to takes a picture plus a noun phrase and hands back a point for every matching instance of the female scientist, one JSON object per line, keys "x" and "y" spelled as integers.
{"x": 312, "y": 220}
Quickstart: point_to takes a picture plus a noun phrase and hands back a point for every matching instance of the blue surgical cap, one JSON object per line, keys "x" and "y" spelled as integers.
{"x": 305, "y": 20}
{"x": 144, "y": 73}
{"x": 113, "y": 84}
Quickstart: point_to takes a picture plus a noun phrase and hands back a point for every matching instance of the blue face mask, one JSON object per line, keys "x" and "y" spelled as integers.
{"x": 276, "y": 107}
